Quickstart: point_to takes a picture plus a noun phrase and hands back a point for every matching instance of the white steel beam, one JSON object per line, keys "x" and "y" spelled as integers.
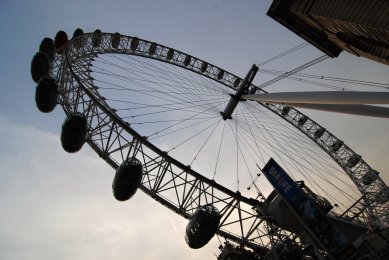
{"x": 322, "y": 97}
{"x": 361, "y": 110}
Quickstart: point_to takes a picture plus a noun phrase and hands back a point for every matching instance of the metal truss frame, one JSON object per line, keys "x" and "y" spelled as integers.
{"x": 177, "y": 186}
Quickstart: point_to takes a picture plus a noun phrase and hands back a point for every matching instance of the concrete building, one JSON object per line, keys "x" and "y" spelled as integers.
{"x": 360, "y": 27}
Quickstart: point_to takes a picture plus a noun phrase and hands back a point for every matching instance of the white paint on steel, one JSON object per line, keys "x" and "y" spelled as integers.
{"x": 323, "y": 97}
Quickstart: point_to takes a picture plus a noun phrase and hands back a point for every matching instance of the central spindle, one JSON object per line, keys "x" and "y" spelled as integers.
{"x": 244, "y": 85}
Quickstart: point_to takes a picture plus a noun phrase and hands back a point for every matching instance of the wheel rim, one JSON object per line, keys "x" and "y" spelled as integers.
{"x": 115, "y": 140}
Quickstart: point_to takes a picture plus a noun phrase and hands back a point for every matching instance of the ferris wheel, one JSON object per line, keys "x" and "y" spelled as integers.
{"x": 185, "y": 132}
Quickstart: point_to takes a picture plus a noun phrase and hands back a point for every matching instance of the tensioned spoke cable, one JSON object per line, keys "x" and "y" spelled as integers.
{"x": 245, "y": 162}
{"x": 218, "y": 151}
{"x": 191, "y": 109}
{"x": 132, "y": 80}
{"x": 180, "y": 106}
{"x": 319, "y": 84}
{"x": 147, "y": 113}
{"x": 328, "y": 78}
{"x": 189, "y": 78}
{"x": 253, "y": 152}
{"x": 293, "y": 164}
{"x": 165, "y": 121}
{"x": 239, "y": 151}
{"x": 308, "y": 150}
{"x": 300, "y": 68}
{"x": 270, "y": 144}
{"x": 283, "y": 54}
{"x": 159, "y": 73}
{"x": 303, "y": 146}
{"x": 205, "y": 142}
{"x": 234, "y": 131}
{"x": 180, "y": 103}
{"x": 249, "y": 138}
{"x": 273, "y": 125}
{"x": 308, "y": 177}
{"x": 286, "y": 144}
{"x": 172, "y": 78}
{"x": 171, "y": 99}
{"x": 198, "y": 86}
{"x": 202, "y": 94}
{"x": 145, "y": 106}
{"x": 192, "y": 136}
{"x": 179, "y": 129}
{"x": 141, "y": 70}
{"x": 154, "y": 89}
{"x": 223, "y": 95}
{"x": 206, "y": 95}
{"x": 127, "y": 79}
{"x": 158, "y": 112}
{"x": 260, "y": 127}
{"x": 174, "y": 125}
{"x": 279, "y": 130}
{"x": 254, "y": 139}
{"x": 314, "y": 83}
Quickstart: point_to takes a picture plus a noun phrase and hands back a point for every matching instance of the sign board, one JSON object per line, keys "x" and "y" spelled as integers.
{"x": 305, "y": 209}
{"x": 284, "y": 184}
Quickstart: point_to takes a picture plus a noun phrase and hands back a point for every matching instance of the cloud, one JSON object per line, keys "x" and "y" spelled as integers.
{"x": 60, "y": 206}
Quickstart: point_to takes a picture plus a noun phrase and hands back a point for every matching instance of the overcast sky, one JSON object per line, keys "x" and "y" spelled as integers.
{"x": 60, "y": 206}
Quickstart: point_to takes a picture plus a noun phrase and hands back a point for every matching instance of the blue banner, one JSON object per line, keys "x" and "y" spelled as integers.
{"x": 285, "y": 185}
{"x": 305, "y": 208}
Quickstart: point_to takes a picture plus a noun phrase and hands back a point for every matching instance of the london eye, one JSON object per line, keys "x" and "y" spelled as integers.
{"x": 189, "y": 134}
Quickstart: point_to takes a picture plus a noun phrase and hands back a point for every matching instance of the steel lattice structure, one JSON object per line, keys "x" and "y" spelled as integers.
{"x": 176, "y": 185}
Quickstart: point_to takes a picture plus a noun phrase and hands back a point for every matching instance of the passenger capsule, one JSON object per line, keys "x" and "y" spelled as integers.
{"x": 220, "y": 74}
{"x": 237, "y": 82}
{"x": 353, "y": 160}
{"x": 46, "y": 94}
{"x": 78, "y": 32}
{"x": 384, "y": 196}
{"x": 127, "y": 179}
{"x": 74, "y": 130}
{"x": 302, "y": 120}
{"x": 204, "y": 67}
{"x": 202, "y": 226}
{"x": 40, "y": 66}
{"x": 96, "y": 38}
{"x": 170, "y": 54}
{"x": 285, "y": 110}
{"x": 78, "y": 43}
{"x": 336, "y": 146}
{"x": 152, "y": 48}
{"x": 60, "y": 41}
{"x": 47, "y": 46}
{"x": 187, "y": 60}
{"x": 319, "y": 132}
{"x": 115, "y": 40}
{"x": 134, "y": 43}
{"x": 369, "y": 177}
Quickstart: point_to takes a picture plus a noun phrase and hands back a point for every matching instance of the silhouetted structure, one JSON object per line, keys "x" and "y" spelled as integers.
{"x": 202, "y": 226}
{"x": 127, "y": 179}
{"x": 359, "y": 27}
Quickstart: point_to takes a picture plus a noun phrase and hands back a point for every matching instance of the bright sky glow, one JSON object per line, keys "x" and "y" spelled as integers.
{"x": 60, "y": 206}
